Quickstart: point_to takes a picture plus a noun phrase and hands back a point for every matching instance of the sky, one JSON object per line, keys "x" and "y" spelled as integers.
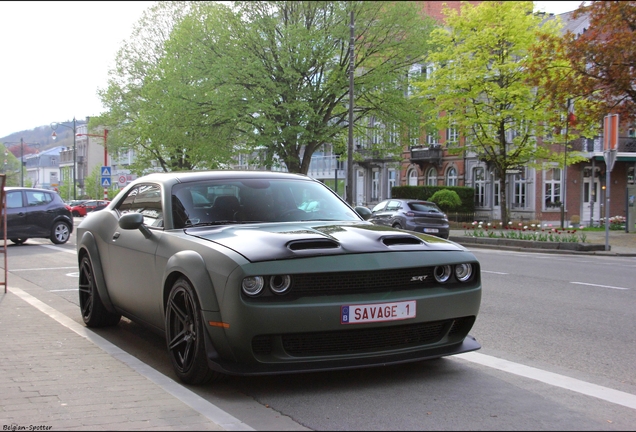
{"x": 56, "y": 55}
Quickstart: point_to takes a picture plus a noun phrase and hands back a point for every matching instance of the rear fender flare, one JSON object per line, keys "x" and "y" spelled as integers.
{"x": 88, "y": 244}
{"x": 192, "y": 266}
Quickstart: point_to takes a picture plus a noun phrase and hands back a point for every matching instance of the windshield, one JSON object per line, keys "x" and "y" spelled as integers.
{"x": 233, "y": 201}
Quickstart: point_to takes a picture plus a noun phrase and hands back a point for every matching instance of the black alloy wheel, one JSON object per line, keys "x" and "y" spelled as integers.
{"x": 397, "y": 225}
{"x": 94, "y": 312}
{"x": 184, "y": 335}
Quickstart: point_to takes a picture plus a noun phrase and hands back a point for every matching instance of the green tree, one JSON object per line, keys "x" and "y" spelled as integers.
{"x": 11, "y": 168}
{"x": 481, "y": 86}
{"x": 145, "y": 108}
{"x": 200, "y": 82}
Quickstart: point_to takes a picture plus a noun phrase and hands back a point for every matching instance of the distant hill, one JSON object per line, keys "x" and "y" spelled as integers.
{"x": 43, "y": 136}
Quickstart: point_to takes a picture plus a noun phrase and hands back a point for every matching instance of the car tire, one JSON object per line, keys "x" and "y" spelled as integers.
{"x": 184, "y": 335}
{"x": 18, "y": 241}
{"x": 397, "y": 225}
{"x": 60, "y": 233}
{"x": 93, "y": 311}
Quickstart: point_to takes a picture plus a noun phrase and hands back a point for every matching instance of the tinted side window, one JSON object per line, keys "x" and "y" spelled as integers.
{"x": 379, "y": 207}
{"x": 14, "y": 199}
{"x": 145, "y": 199}
{"x": 35, "y": 198}
{"x": 393, "y": 205}
{"x": 127, "y": 203}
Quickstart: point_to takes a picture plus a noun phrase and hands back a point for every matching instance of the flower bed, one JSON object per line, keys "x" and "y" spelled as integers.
{"x": 532, "y": 232}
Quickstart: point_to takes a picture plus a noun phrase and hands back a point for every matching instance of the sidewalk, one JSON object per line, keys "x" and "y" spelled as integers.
{"x": 620, "y": 242}
{"x": 56, "y": 374}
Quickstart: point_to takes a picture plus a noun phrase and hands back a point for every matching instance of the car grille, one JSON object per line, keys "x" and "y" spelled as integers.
{"x": 342, "y": 342}
{"x": 341, "y": 283}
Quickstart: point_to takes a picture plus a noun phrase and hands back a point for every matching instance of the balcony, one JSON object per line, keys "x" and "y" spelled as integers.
{"x": 595, "y": 145}
{"x": 423, "y": 155}
{"x": 66, "y": 157}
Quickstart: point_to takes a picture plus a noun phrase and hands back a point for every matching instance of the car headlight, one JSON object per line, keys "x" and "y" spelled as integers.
{"x": 279, "y": 284}
{"x": 253, "y": 285}
{"x": 463, "y": 272}
{"x": 442, "y": 273}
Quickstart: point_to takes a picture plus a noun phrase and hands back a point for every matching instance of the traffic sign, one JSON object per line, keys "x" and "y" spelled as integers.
{"x": 106, "y": 171}
{"x": 106, "y": 181}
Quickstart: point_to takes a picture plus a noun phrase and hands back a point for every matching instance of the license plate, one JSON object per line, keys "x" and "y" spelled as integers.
{"x": 431, "y": 230}
{"x": 377, "y": 312}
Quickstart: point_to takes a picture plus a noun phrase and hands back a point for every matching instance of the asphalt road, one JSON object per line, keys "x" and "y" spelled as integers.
{"x": 558, "y": 337}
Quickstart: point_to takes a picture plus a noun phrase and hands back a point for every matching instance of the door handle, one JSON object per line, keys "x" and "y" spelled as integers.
{"x": 116, "y": 235}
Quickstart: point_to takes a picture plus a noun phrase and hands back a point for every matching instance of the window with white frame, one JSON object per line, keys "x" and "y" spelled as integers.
{"x": 479, "y": 184}
{"x": 392, "y": 178}
{"x": 520, "y": 190}
{"x": 432, "y": 138}
{"x": 552, "y": 188}
{"x": 412, "y": 177}
{"x": 414, "y": 136}
{"x": 451, "y": 176}
{"x": 415, "y": 74}
{"x": 431, "y": 177}
{"x": 496, "y": 188}
{"x": 375, "y": 183}
{"x": 452, "y": 136}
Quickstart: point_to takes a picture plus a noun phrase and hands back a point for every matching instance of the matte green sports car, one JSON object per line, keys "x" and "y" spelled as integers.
{"x": 263, "y": 272}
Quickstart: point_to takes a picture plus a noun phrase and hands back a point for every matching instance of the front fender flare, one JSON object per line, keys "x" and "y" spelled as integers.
{"x": 88, "y": 244}
{"x": 192, "y": 265}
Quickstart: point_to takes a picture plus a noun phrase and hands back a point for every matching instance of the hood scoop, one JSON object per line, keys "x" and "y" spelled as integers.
{"x": 313, "y": 244}
{"x": 401, "y": 240}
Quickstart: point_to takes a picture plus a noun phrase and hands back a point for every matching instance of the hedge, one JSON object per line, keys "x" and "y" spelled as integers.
{"x": 467, "y": 195}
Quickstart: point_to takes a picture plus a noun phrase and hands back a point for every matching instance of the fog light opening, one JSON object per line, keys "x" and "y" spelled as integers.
{"x": 442, "y": 273}
{"x": 280, "y": 284}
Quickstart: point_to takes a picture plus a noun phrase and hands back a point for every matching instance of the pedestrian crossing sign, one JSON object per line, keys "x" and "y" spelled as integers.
{"x": 106, "y": 181}
{"x": 106, "y": 172}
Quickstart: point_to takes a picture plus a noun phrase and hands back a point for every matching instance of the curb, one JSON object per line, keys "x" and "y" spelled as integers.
{"x": 596, "y": 250}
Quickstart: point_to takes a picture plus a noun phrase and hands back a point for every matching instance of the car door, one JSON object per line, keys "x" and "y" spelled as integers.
{"x": 39, "y": 215}
{"x": 135, "y": 282}
{"x": 16, "y": 215}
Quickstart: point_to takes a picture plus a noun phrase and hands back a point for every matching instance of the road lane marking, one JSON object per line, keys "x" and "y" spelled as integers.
{"x": 43, "y": 268}
{"x": 607, "y": 394}
{"x": 57, "y": 248}
{"x": 493, "y": 272}
{"x": 60, "y": 290}
{"x": 196, "y": 402}
{"x": 596, "y": 285}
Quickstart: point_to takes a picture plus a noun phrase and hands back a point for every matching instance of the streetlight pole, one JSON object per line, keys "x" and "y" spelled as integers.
{"x": 54, "y": 135}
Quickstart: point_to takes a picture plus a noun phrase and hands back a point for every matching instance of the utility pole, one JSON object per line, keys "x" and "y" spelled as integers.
{"x": 350, "y": 142}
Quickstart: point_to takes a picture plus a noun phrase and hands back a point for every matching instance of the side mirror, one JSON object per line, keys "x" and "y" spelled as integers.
{"x": 131, "y": 221}
{"x": 363, "y": 212}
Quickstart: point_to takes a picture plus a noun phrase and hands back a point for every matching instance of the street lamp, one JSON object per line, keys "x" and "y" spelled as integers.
{"x": 105, "y": 136}
{"x": 54, "y": 135}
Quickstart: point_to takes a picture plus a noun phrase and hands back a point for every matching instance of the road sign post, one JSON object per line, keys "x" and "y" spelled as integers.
{"x": 610, "y": 144}
{"x": 106, "y": 182}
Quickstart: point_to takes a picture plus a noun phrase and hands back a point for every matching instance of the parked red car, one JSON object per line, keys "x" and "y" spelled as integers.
{"x": 80, "y": 210}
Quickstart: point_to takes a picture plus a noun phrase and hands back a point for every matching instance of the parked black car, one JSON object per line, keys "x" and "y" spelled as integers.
{"x": 36, "y": 213}
{"x": 414, "y": 215}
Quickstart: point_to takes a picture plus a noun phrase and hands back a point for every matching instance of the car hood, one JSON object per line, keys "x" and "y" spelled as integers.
{"x": 286, "y": 240}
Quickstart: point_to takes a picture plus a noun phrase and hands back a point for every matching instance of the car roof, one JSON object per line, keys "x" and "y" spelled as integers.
{"x": 191, "y": 176}
{"x": 12, "y": 188}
